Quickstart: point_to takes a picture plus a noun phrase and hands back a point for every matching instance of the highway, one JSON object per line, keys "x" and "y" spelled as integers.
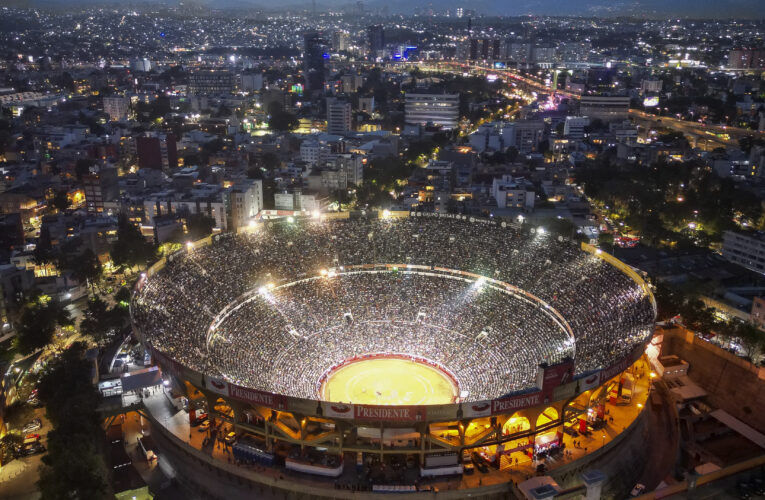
{"x": 706, "y": 137}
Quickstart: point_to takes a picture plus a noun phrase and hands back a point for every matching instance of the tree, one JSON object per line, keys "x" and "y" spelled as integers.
{"x": 73, "y": 467}
{"x": 752, "y": 340}
{"x": 131, "y": 248}
{"x": 38, "y": 322}
{"x": 61, "y": 200}
{"x": 96, "y": 322}
{"x": 87, "y": 268}
{"x": 44, "y": 253}
{"x": 199, "y": 226}
{"x": 82, "y": 167}
{"x": 283, "y": 121}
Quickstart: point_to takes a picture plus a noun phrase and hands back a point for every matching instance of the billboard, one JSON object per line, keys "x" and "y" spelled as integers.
{"x": 555, "y": 375}
{"x": 390, "y": 413}
{"x": 476, "y": 409}
{"x": 514, "y": 403}
{"x": 253, "y": 396}
{"x": 337, "y": 410}
{"x": 651, "y": 101}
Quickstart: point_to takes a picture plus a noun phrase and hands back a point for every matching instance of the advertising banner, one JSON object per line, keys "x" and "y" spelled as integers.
{"x": 253, "y": 396}
{"x": 391, "y": 413}
{"x": 217, "y": 385}
{"x": 557, "y": 375}
{"x": 166, "y": 363}
{"x": 607, "y": 374}
{"x": 476, "y": 409}
{"x": 589, "y": 381}
{"x": 337, "y": 410}
{"x": 515, "y": 403}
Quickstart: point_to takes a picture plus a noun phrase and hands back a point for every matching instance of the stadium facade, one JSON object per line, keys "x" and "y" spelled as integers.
{"x": 597, "y": 325}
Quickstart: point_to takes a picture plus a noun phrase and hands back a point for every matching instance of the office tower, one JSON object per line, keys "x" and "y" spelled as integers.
{"x": 375, "y": 40}
{"x": 338, "y": 117}
{"x": 437, "y": 109}
{"x": 314, "y": 52}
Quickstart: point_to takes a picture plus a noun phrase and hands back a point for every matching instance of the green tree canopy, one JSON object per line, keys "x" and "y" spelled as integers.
{"x": 73, "y": 467}
{"x": 131, "y": 249}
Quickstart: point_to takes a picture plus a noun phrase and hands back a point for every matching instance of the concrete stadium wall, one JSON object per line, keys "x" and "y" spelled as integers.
{"x": 733, "y": 384}
{"x": 618, "y": 460}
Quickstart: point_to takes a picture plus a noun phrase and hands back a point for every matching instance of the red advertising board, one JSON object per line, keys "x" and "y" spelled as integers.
{"x": 390, "y": 413}
{"x": 337, "y": 410}
{"x": 167, "y": 363}
{"x": 476, "y": 409}
{"x": 514, "y": 403}
{"x": 607, "y": 374}
{"x": 557, "y": 375}
{"x": 253, "y": 396}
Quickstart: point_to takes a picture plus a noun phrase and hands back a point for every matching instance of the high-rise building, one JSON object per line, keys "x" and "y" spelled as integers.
{"x": 605, "y": 107}
{"x": 375, "y": 40}
{"x": 574, "y": 127}
{"x": 340, "y": 40}
{"x": 517, "y": 52}
{"x": 651, "y": 85}
{"x": 746, "y": 59}
{"x": 246, "y": 200}
{"x": 100, "y": 187}
{"x": 479, "y": 48}
{"x": 436, "y": 109}
{"x": 157, "y": 151}
{"x": 314, "y": 52}
{"x": 745, "y": 249}
{"x": 338, "y": 116}
{"x": 116, "y": 107}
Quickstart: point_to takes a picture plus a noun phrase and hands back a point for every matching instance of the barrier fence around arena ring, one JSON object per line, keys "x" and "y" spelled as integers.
{"x": 506, "y": 404}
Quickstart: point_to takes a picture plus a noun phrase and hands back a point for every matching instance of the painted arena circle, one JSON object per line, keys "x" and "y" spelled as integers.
{"x": 389, "y": 380}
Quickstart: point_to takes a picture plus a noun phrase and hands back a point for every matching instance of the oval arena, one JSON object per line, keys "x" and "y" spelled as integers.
{"x": 414, "y": 339}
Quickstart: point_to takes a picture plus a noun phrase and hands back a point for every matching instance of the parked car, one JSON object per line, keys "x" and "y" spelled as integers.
{"x": 32, "y": 449}
{"x": 468, "y": 468}
{"x": 230, "y": 437}
{"x": 204, "y": 426}
{"x": 32, "y": 426}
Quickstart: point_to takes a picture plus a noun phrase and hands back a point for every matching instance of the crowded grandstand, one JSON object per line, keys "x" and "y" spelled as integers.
{"x": 276, "y": 307}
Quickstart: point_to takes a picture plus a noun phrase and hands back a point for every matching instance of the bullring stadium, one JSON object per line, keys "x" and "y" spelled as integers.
{"x": 376, "y": 333}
